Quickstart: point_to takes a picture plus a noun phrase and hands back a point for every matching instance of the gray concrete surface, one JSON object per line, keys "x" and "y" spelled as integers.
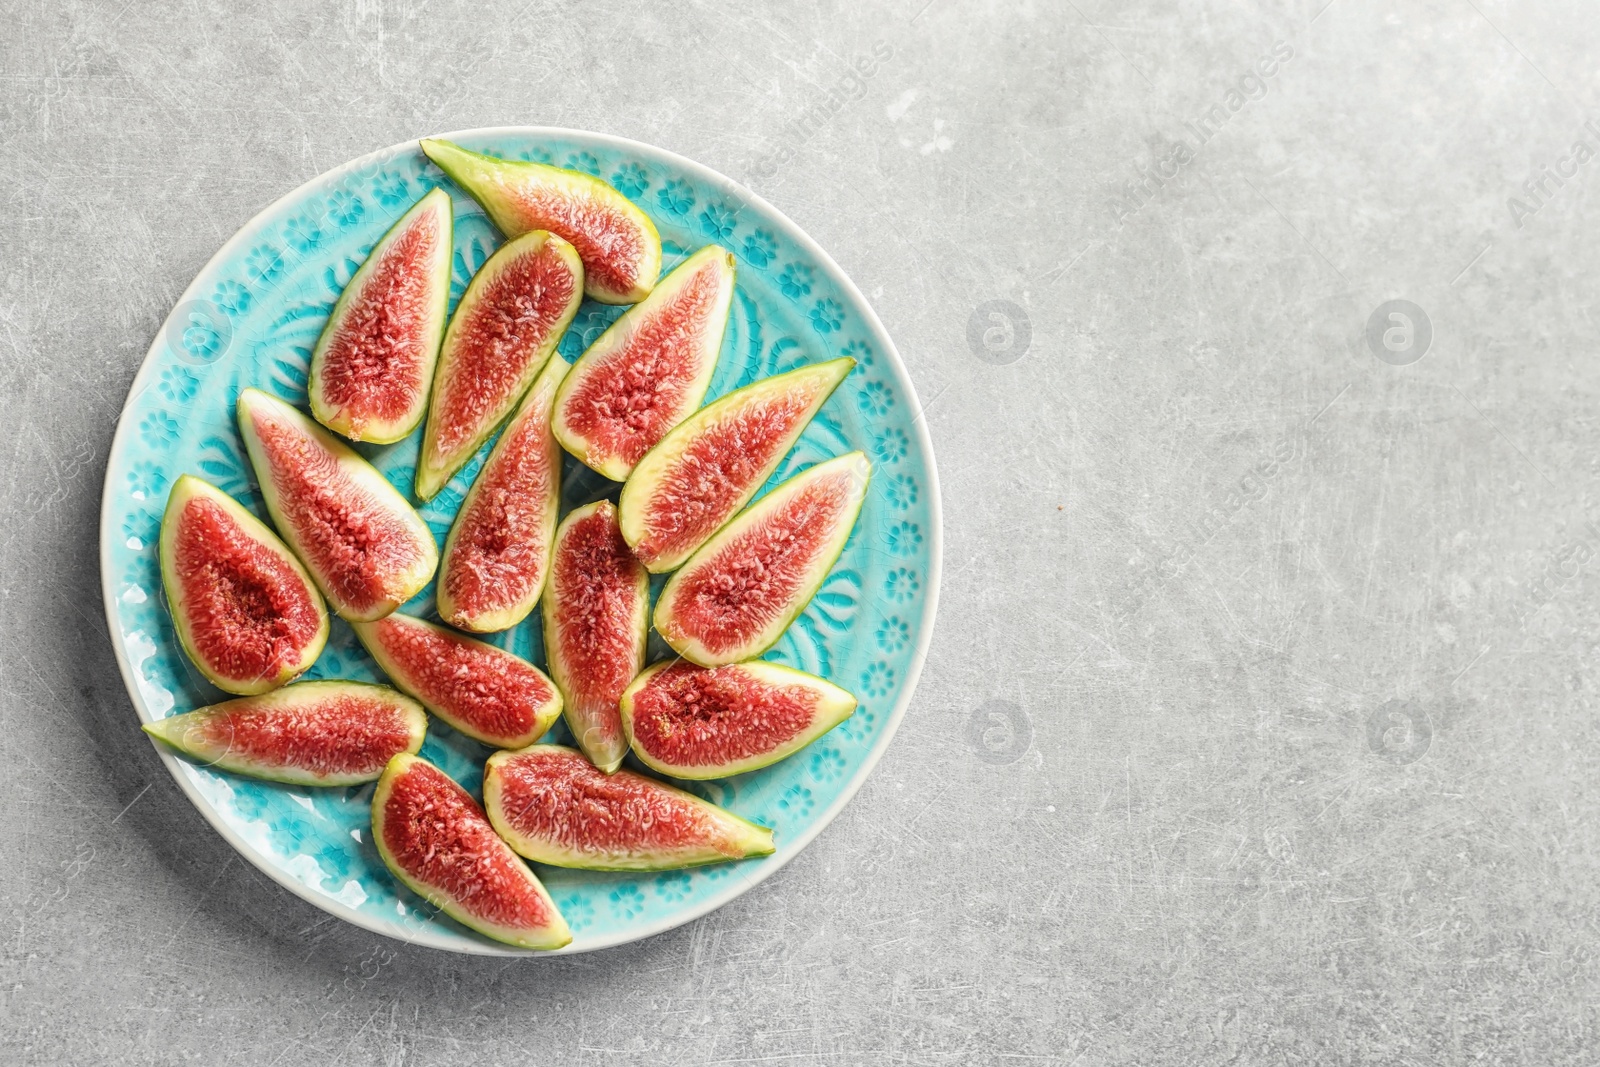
{"x": 1260, "y": 724}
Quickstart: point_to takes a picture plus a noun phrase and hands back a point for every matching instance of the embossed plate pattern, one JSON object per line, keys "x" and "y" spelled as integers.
{"x": 251, "y": 318}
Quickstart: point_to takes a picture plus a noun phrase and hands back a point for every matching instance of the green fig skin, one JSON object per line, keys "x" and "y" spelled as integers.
{"x": 453, "y": 652}
{"x": 622, "y": 340}
{"x": 285, "y": 711}
{"x": 433, "y": 209}
{"x": 833, "y": 706}
{"x": 381, "y": 500}
{"x": 436, "y": 463}
{"x": 553, "y": 934}
{"x": 459, "y": 554}
{"x": 582, "y": 209}
{"x": 645, "y": 483}
{"x": 592, "y": 717}
{"x": 682, "y": 635}
{"x": 732, "y": 838}
{"x": 187, "y": 489}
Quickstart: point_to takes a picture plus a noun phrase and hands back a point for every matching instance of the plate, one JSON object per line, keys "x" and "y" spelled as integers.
{"x": 252, "y": 316}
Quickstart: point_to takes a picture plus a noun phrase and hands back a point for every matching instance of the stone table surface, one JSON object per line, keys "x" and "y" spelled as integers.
{"x": 1269, "y": 603}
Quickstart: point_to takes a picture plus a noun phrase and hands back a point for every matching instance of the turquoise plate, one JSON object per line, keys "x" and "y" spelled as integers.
{"x": 252, "y": 317}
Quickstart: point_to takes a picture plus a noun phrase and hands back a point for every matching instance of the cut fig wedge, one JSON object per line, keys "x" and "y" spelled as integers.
{"x": 244, "y": 608}
{"x": 485, "y": 692}
{"x": 552, "y": 806}
{"x": 309, "y": 733}
{"x": 738, "y": 593}
{"x": 650, "y": 369}
{"x": 509, "y": 320}
{"x": 596, "y": 618}
{"x": 365, "y": 546}
{"x": 498, "y": 553}
{"x": 620, "y": 247}
{"x": 436, "y": 840}
{"x": 374, "y": 361}
{"x": 709, "y": 466}
{"x": 699, "y": 722}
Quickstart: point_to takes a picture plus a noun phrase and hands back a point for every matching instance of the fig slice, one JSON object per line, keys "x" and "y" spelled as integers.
{"x": 596, "y": 619}
{"x": 244, "y": 608}
{"x": 436, "y": 840}
{"x": 738, "y": 593}
{"x": 372, "y": 365}
{"x": 620, "y": 247}
{"x": 650, "y": 369}
{"x": 552, "y": 806}
{"x": 309, "y": 733}
{"x": 365, "y": 546}
{"x": 710, "y": 465}
{"x": 498, "y": 552}
{"x": 509, "y": 320}
{"x": 485, "y": 692}
{"x": 709, "y": 722}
